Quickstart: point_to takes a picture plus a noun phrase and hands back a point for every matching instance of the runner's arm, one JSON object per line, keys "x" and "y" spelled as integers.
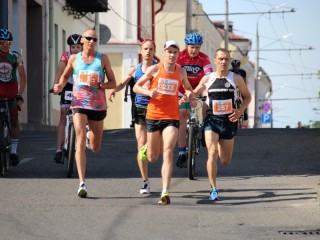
{"x": 23, "y": 79}
{"x": 150, "y": 72}
{"x": 61, "y": 67}
{"x": 187, "y": 86}
{"x": 201, "y": 86}
{"x": 245, "y": 94}
{"x": 57, "y": 88}
{"x": 124, "y": 82}
{"x": 111, "y": 83}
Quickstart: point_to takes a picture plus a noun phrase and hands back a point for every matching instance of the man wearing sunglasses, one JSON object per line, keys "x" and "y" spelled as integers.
{"x": 11, "y": 63}
{"x": 89, "y": 104}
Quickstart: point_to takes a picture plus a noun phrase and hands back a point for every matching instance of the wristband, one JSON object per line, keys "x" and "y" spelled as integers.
{"x": 19, "y": 98}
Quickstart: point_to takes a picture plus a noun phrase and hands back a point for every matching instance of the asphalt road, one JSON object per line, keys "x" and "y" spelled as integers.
{"x": 268, "y": 192}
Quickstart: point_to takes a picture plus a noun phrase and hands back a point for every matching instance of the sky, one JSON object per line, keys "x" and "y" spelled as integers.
{"x": 284, "y": 40}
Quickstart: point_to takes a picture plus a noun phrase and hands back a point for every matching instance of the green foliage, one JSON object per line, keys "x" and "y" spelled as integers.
{"x": 315, "y": 124}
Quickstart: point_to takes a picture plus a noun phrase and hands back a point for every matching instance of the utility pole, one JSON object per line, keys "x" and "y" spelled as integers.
{"x": 226, "y": 27}
{"x": 189, "y": 16}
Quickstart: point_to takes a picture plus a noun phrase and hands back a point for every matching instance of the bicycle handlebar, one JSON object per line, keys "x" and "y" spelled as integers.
{"x": 51, "y": 91}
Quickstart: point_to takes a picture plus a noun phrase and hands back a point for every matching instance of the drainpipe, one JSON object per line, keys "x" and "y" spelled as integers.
{"x": 162, "y": 2}
{"x": 46, "y": 73}
{"x": 139, "y": 22}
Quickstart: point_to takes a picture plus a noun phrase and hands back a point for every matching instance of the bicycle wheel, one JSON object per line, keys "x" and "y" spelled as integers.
{"x": 4, "y": 142}
{"x": 2, "y": 168}
{"x": 7, "y": 146}
{"x": 191, "y": 152}
{"x": 71, "y": 150}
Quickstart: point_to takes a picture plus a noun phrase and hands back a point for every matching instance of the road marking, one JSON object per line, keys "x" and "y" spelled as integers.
{"x": 25, "y": 160}
{"x": 50, "y": 149}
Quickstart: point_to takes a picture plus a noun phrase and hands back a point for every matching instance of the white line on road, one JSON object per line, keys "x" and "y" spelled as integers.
{"x": 25, "y": 160}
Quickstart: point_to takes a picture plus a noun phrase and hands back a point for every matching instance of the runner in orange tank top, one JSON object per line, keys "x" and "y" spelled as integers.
{"x": 165, "y": 105}
{"x": 162, "y": 117}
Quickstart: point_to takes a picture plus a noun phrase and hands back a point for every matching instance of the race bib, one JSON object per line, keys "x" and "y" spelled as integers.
{"x": 221, "y": 107}
{"x": 68, "y": 95}
{"x": 86, "y": 75}
{"x": 167, "y": 86}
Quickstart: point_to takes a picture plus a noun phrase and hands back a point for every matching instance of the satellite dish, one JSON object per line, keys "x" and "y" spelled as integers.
{"x": 105, "y": 34}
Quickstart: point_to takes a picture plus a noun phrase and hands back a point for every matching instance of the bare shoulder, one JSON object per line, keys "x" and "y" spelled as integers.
{"x": 153, "y": 69}
{"x": 104, "y": 57}
{"x": 72, "y": 57}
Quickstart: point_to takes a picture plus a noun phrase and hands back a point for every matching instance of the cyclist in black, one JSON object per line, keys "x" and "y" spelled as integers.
{"x": 74, "y": 41}
{"x": 132, "y": 94}
{"x": 236, "y": 69}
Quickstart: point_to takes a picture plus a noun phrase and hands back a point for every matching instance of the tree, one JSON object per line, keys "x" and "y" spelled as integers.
{"x": 315, "y": 124}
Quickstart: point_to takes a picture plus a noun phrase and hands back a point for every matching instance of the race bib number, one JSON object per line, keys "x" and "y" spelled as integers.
{"x": 221, "y": 107}
{"x": 85, "y": 76}
{"x": 167, "y": 86}
{"x": 68, "y": 95}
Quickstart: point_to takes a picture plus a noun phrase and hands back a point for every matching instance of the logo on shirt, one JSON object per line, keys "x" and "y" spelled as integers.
{"x": 192, "y": 69}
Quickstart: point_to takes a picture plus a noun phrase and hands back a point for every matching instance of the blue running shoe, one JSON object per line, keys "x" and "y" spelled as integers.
{"x": 214, "y": 194}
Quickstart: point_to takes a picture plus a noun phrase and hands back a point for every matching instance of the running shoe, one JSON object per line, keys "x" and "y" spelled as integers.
{"x": 182, "y": 161}
{"x": 14, "y": 159}
{"x": 164, "y": 199}
{"x": 214, "y": 194}
{"x": 145, "y": 189}
{"x": 143, "y": 152}
{"x": 58, "y": 157}
{"x": 82, "y": 191}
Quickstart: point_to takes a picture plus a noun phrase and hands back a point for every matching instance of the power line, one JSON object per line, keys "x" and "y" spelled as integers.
{"x": 285, "y": 49}
{"x": 293, "y": 74}
{"x": 288, "y": 99}
{"x": 241, "y": 13}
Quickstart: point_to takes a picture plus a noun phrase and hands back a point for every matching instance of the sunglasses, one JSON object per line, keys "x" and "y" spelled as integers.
{"x": 8, "y": 43}
{"x": 91, "y": 38}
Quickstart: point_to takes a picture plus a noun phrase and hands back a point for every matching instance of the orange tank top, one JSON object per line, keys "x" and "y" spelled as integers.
{"x": 165, "y": 105}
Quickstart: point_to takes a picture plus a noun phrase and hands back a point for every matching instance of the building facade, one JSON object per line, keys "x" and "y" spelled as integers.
{"x": 41, "y": 27}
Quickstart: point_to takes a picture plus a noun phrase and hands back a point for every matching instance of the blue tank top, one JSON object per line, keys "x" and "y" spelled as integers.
{"x": 141, "y": 100}
{"x": 84, "y": 96}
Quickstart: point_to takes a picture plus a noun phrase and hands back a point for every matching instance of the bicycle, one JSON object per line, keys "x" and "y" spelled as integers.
{"x": 194, "y": 135}
{"x": 69, "y": 145}
{"x": 5, "y": 131}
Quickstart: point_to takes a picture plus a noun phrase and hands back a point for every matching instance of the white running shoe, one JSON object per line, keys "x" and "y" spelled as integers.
{"x": 145, "y": 189}
{"x": 82, "y": 191}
